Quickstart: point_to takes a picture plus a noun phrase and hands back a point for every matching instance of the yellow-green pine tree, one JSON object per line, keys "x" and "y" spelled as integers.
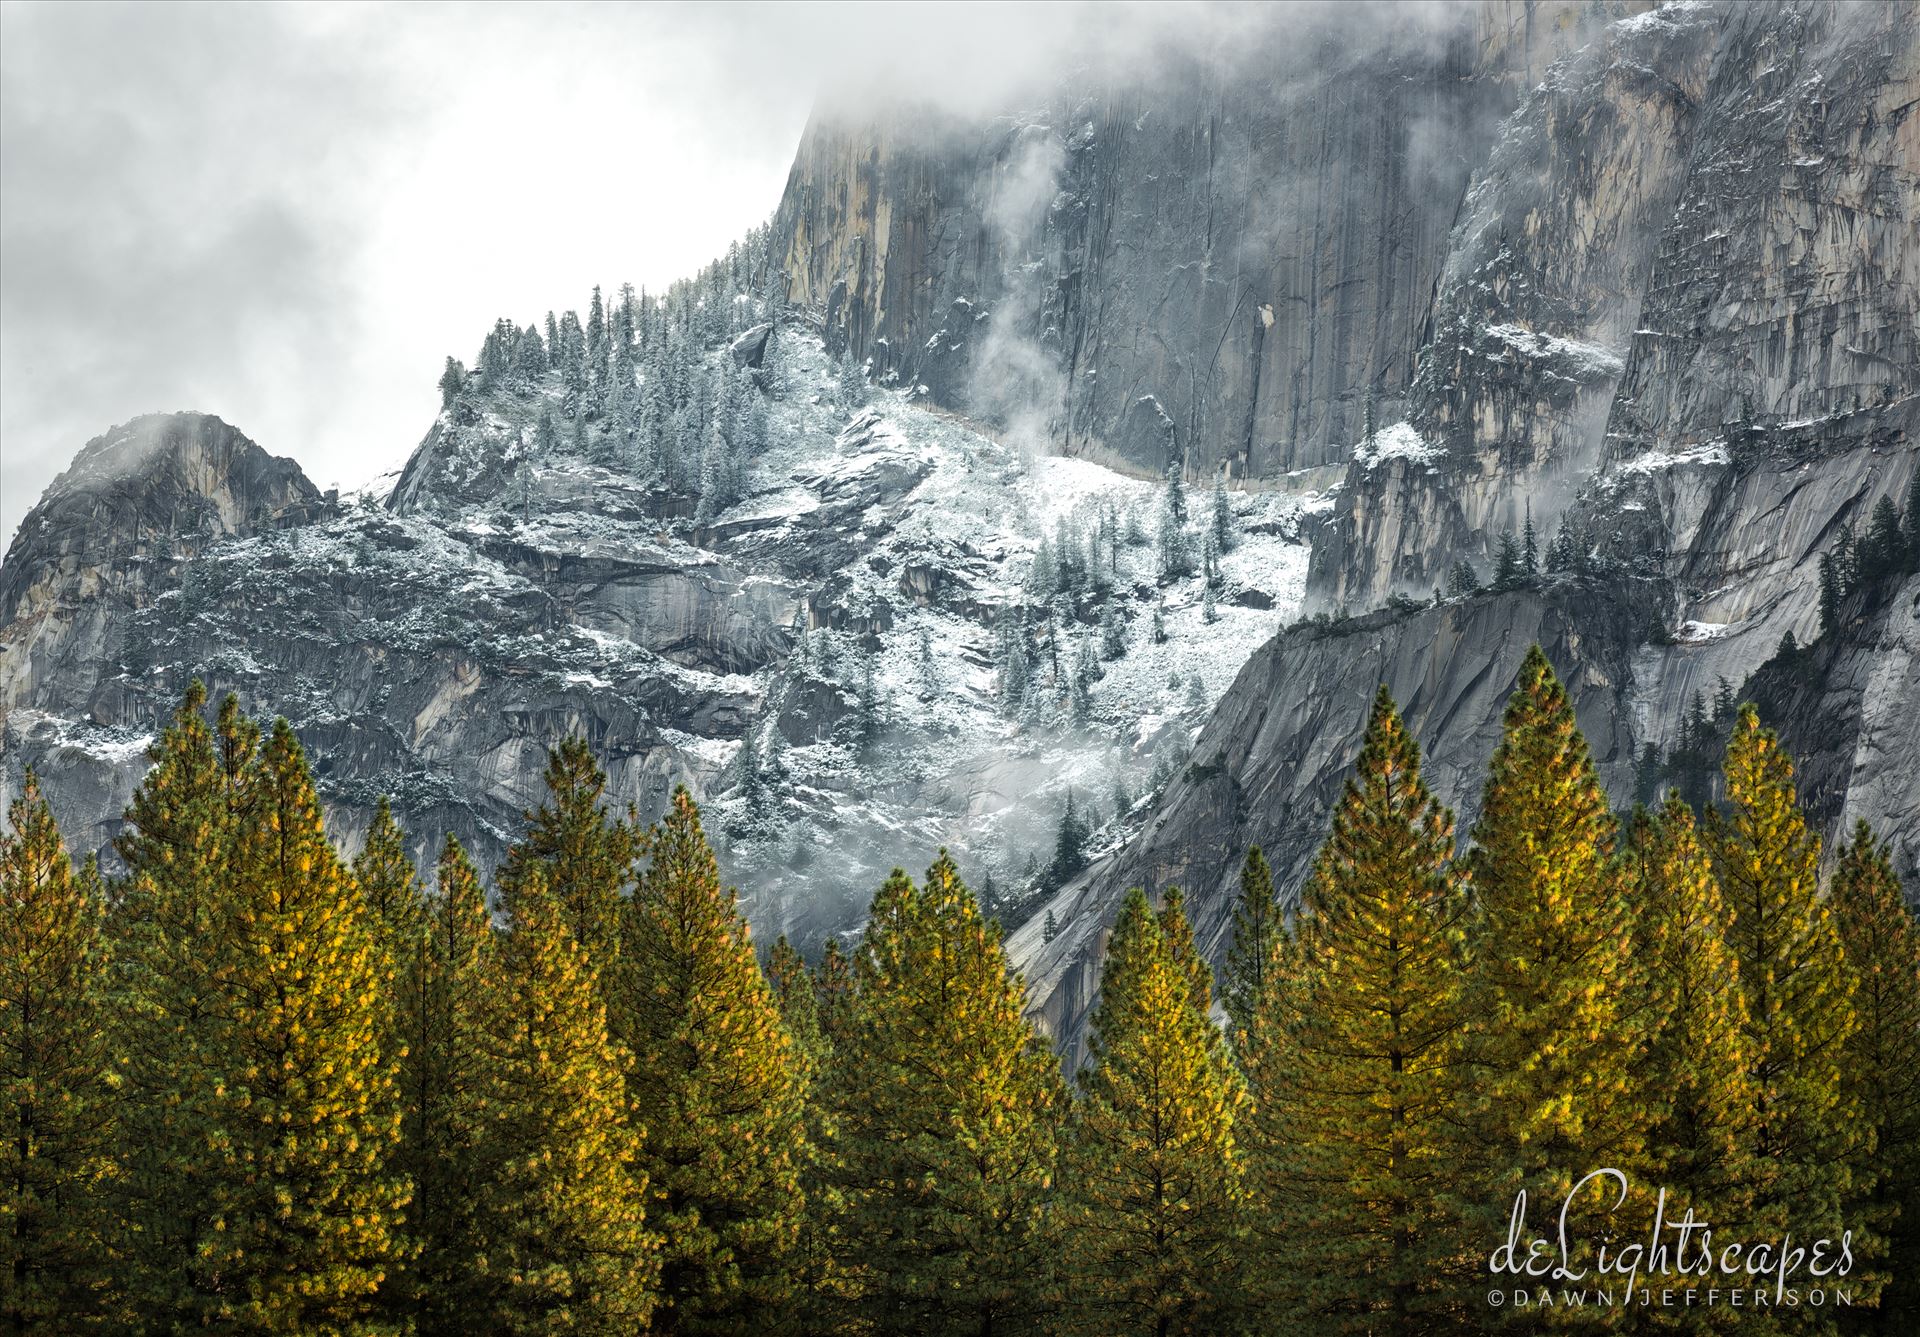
{"x": 446, "y": 969}
{"x": 1555, "y": 1013}
{"x": 170, "y": 1026}
{"x": 1185, "y": 951}
{"x": 56, "y": 1113}
{"x": 565, "y": 1246}
{"x": 1153, "y": 1201}
{"x": 1883, "y": 1058}
{"x": 1351, "y": 1148}
{"x": 833, "y": 991}
{"x": 717, "y": 1082}
{"x": 583, "y": 854}
{"x": 305, "y": 1207}
{"x": 387, "y": 878}
{"x": 1696, "y": 1072}
{"x": 1799, "y": 986}
{"x": 943, "y": 1110}
{"x": 799, "y": 1003}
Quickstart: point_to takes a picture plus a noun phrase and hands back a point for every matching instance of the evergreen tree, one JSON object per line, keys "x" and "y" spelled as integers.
{"x": 852, "y": 383}
{"x": 57, "y": 1147}
{"x": 386, "y": 878}
{"x": 1530, "y": 546}
{"x": 1552, "y": 1005}
{"x": 1462, "y": 580}
{"x": 583, "y": 854}
{"x": 1510, "y": 567}
{"x": 717, "y": 1082}
{"x": 1051, "y": 929}
{"x": 565, "y": 1246}
{"x": 1799, "y": 986}
{"x": 1258, "y": 926}
{"x": 1882, "y": 550}
{"x": 452, "y": 381}
{"x": 1224, "y": 533}
{"x": 944, "y": 1105}
{"x": 799, "y": 1003}
{"x": 1883, "y": 1056}
{"x": 1831, "y": 592}
{"x": 1184, "y": 952}
{"x": 1069, "y": 847}
{"x": 833, "y": 991}
{"x": 1697, "y": 1070}
{"x": 445, "y": 981}
{"x": 1153, "y": 1205}
{"x": 1174, "y": 545}
{"x": 262, "y": 1006}
{"x": 1355, "y": 1072}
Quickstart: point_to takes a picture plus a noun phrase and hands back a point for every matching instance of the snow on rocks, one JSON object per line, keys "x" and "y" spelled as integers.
{"x": 1398, "y": 442}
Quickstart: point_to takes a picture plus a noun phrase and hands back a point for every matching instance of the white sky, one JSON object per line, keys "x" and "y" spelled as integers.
{"x": 289, "y": 215}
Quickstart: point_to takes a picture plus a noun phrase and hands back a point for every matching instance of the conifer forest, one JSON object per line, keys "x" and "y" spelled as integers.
{"x": 254, "y": 1086}
{"x": 1179, "y": 668}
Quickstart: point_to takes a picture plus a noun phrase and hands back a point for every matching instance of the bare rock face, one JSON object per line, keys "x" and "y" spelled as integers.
{"x": 135, "y": 504}
{"x": 1183, "y": 266}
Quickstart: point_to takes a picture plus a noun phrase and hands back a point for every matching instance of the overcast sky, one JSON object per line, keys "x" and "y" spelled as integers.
{"x": 289, "y": 215}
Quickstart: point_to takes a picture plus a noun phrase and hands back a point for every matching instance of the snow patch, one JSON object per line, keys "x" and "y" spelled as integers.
{"x": 1580, "y": 359}
{"x": 1712, "y": 453}
{"x": 1398, "y": 442}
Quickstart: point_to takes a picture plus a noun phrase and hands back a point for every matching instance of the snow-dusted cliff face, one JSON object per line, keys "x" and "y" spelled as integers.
{"x": 846, "y": 615}
{"x": 1177, "y": 261}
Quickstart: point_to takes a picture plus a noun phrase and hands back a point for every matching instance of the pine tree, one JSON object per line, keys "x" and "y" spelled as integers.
{"x": 944, "y": 1105}
{"x": 386, "y": 878}
{"x": 1355, "y": 1071}
{"x": 1174, "y": 544}
{"x": 1258, "y": 925}
{"x": 1832, "y": 591}
{"x": 852, "y": 382}
{"x": 565, "y": 1246}
{"x": 717, "y": 1082}
{"x": 1224, "y": 533}
{"x": 442, "y": 999}
{"x": 1184, "y": 951}
{"x": 1462, "y": 580}
{"x": 1882, "y": 550}
{"x": 799, "y": 1003}
{"x": 280, "y": 1111}
{"x": 1153, "y": 1205}
{"x": 1799, "y": 986}
{"x": 1509, "y": 568}
{"x": 56, "y": 1151}
{"x": 1552, "y": 1012}
{"x": 452, "y": 381}
{"x": 833, "y": 991}
{"x": 584, "y": 855}
{"x": 1697, "y": 1069}
{"x": 1883, "y": 1057}
{"x": 1530, "y": 546}
{"x": 1069, "y": 847}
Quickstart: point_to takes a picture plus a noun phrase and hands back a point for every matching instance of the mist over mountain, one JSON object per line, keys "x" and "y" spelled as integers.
{"x": 1105, "y": 436}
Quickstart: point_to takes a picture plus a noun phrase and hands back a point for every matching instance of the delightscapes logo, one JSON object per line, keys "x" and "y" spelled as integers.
{"x": 1678, "y": 1264}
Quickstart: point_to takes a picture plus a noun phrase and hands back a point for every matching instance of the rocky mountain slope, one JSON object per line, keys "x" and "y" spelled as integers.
{"x": 433, "y": 647}
{"x": 1642, "y": 283}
